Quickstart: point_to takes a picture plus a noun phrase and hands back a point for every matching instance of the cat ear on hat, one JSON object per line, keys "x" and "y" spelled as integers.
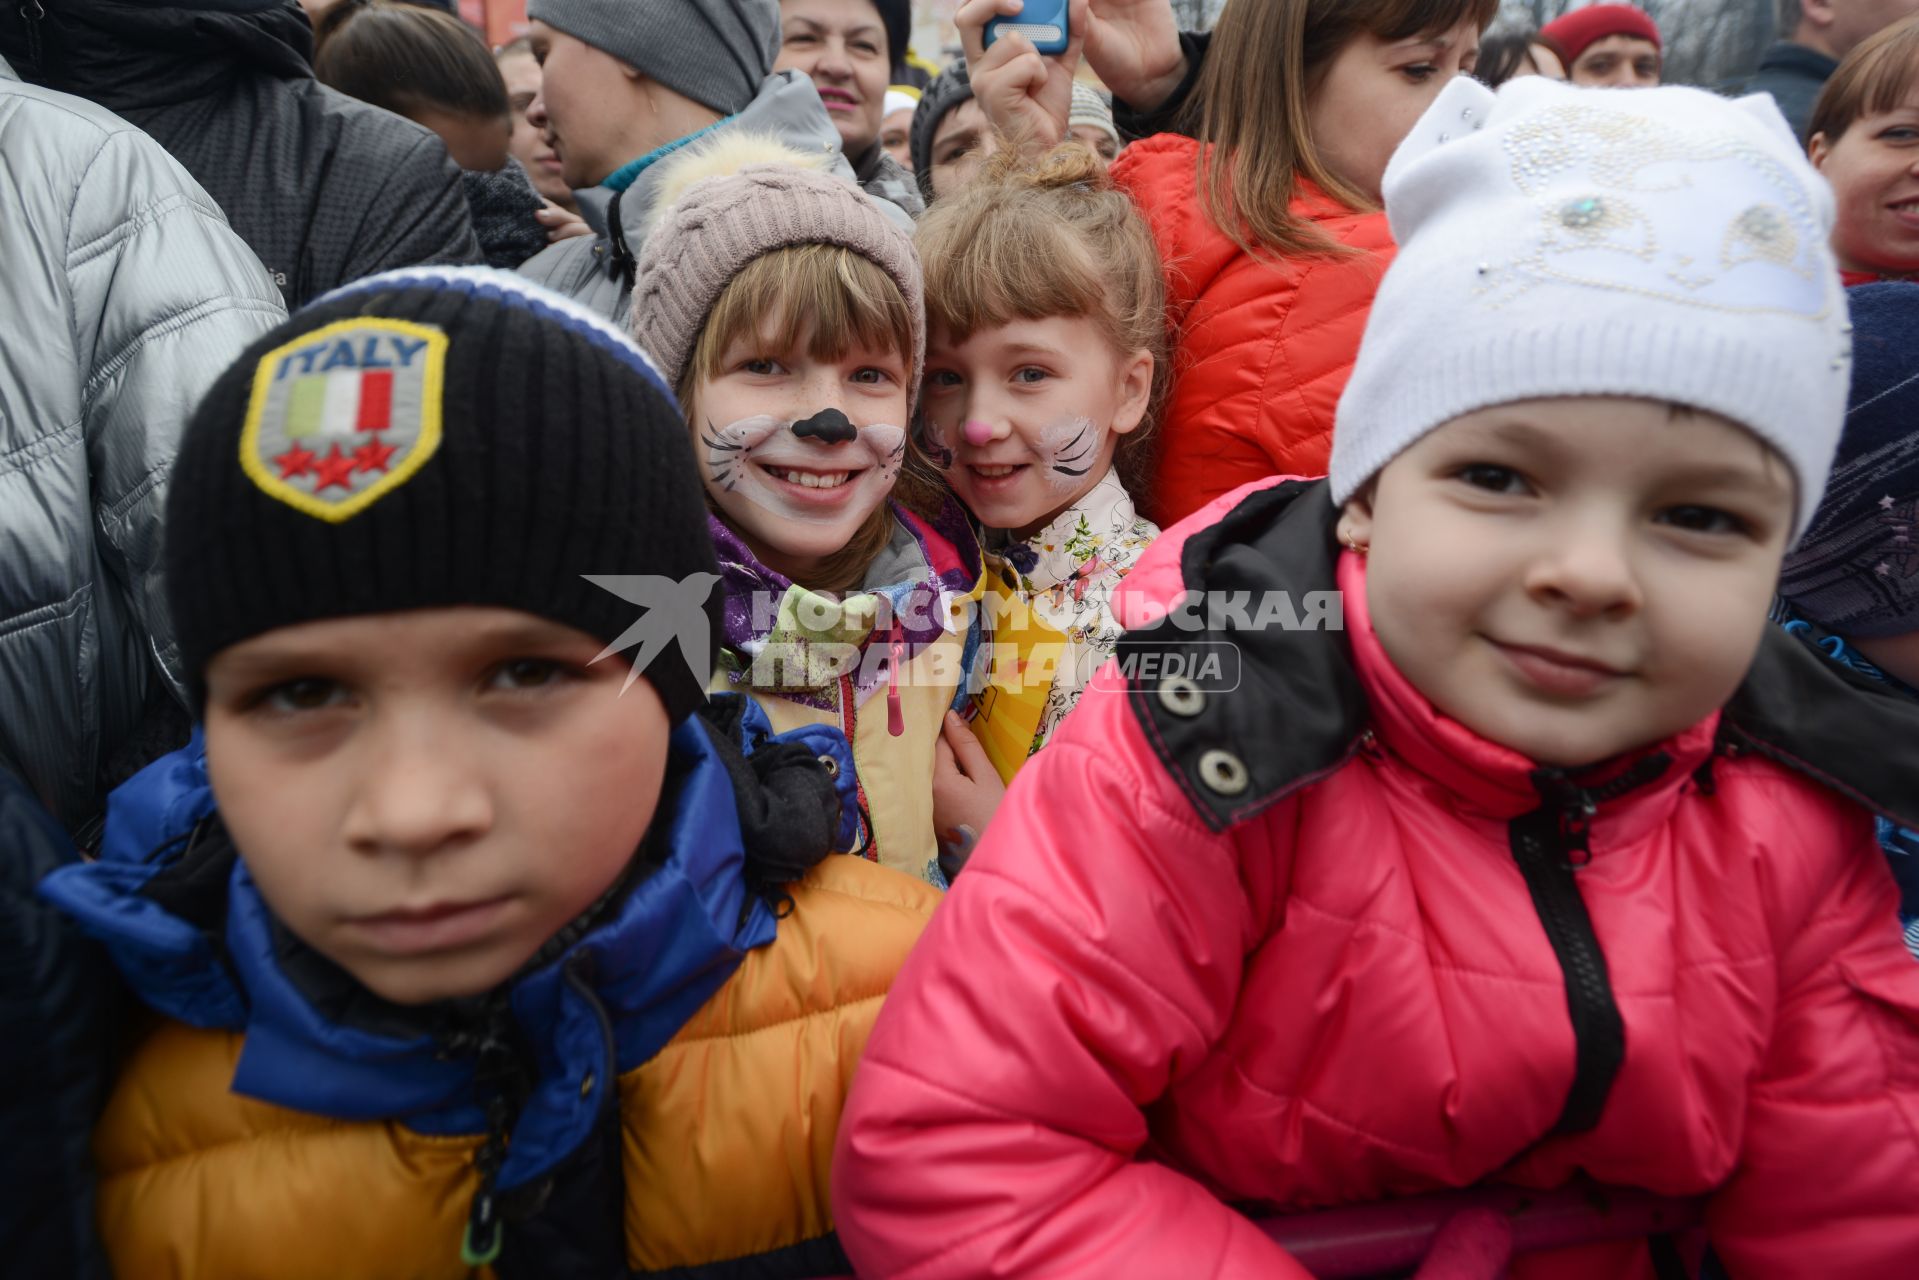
{"x": 1460, "y": 111}
{"x": 1762, "y": 107}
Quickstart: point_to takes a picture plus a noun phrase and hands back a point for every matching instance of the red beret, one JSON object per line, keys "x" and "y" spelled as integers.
{"x": 1580, "y": 28}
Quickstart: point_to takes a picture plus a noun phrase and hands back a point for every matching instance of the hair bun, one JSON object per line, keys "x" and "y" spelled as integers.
{"x": 1070, "y": 165}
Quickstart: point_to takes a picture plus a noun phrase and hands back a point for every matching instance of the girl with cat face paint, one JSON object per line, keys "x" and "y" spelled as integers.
{"x": 787, "y": 311}
{"x": 1044, "y": 369}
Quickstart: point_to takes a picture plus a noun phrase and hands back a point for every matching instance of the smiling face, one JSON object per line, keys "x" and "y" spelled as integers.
{"x": 426, "y": 798}
{"x": 841, "y": 46}
{"x": 1023, "y": 419}
{"x": 528, "y": 144}
{"x": 1618, "y": 62}
{"x": 799, "y": 447}
{"x": 1874, "y": 170}
{"x": 1575, "y": 578}
{"x": 1372, "y": 94}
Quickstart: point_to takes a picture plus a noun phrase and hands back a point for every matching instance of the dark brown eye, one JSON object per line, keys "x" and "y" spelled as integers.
{"x": 1493, "y": 479}
{"x": 311, "y": 693}
{"x": 528, "y": 673}
{"x": 1695, "y": 519}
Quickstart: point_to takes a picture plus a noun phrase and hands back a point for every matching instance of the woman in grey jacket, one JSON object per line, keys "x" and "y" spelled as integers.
{"x": 126, "y": 294}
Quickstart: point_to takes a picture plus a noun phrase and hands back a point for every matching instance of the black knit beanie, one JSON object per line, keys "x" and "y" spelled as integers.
{"x": 436, "y": 437}
{"x": 953, "y": 87}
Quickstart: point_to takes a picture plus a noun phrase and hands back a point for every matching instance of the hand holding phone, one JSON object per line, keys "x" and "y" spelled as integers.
{"x": 1026, "y": 93}
{"x": 1044, "y": 23}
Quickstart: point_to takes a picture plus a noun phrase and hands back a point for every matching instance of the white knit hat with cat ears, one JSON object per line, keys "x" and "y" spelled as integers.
{"x": 1668, "y": 244}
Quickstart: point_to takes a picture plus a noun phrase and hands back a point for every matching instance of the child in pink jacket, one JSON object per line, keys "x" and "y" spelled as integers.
{"x": 1532, "y": 856}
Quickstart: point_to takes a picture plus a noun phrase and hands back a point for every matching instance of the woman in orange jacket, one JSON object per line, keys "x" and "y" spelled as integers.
{"x": 1267, "y": 215}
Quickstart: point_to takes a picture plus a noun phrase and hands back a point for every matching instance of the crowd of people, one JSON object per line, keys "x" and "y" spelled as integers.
{"x": 689, "y": 646}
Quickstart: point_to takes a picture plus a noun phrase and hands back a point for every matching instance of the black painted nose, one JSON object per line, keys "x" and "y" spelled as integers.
{"x": 829, "y": 426}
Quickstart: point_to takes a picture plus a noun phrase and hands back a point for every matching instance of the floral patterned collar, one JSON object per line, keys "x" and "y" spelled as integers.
{"x": 1071, "y": 545}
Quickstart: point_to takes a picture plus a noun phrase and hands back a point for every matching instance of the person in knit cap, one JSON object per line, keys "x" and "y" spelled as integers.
{"x": 1851, "y": 586}
{"x": 463, "y": 889}
{"x": 951, "y": 137}
{"x": 896, "y": 124}
{"x": 621, "y": 89}
{"x": 1458, "y": 819}
{"x": 1091, "y": 121}
{"x": 788, "y": 313}
{"x": 1607, "y": 45}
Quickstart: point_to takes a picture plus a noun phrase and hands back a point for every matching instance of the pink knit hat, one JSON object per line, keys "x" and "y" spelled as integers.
{"x": 739, "y": 200}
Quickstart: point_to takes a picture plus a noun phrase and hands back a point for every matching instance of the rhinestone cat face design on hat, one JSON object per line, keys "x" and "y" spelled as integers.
{"x": 1598, "y": 178}
{"x": 345, "y": 414}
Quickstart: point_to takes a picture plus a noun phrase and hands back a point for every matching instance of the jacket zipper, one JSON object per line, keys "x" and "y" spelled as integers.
{"x": 35, "y": 13}
{"x": 1551, "y": 844}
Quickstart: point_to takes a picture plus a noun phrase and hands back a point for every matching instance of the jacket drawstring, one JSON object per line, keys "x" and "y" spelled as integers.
{"x": 896, "y": 658}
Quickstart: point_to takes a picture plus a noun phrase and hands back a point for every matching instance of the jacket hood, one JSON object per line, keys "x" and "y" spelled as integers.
{"x": 182, "y": 918}
{"x": 129, "y": 55}
{"x": 921, "y": 583}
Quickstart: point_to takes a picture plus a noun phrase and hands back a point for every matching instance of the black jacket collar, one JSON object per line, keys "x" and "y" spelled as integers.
{"x": 1299, "y": 712}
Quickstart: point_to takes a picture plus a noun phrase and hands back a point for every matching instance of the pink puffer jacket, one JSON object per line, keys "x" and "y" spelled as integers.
{"x": 1350, "y": 971}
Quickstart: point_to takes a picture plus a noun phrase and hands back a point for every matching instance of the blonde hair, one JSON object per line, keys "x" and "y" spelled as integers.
{"x": 1876, "y": 76}
{"x": 1053, "y": 237}
{"x": 1265, "y": 59}
{"x": 847, "y": 301}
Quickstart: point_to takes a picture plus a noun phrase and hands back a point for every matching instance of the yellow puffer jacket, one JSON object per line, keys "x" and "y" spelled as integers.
{"x": 725, "y": 1134}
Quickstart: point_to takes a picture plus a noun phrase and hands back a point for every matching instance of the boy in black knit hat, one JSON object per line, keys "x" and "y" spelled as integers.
{"x": 458, "y": 918}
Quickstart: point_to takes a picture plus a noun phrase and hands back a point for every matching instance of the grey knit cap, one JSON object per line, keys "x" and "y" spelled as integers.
{"x": 716, "y": 52}
{"x": 952, "y": 87}
{"x": 720, "y": 224}
{"x": 1091, "y": 109}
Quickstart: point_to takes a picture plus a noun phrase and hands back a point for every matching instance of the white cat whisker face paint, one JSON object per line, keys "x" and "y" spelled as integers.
{"x": 817, "y": 470}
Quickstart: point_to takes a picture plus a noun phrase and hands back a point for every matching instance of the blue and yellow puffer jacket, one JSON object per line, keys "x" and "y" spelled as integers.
{"x": 657, "y": 1095}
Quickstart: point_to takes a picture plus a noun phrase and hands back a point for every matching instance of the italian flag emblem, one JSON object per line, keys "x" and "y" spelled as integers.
{"x": 345, "y": 414}
{"x": 341, "y": 404}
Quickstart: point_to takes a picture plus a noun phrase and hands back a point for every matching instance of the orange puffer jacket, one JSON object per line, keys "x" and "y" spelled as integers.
{"x": 1261, "y": 349}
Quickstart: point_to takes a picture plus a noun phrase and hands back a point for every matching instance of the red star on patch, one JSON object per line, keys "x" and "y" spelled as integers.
{"x": 335, "y": 468}
{"x": 296, "y": 461}
{"x": 372, "y": 456}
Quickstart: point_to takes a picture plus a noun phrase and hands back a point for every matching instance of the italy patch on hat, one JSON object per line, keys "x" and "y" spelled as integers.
{"x": 345, "y": 414}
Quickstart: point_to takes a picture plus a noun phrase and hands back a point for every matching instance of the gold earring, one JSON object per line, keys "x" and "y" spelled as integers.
{"x": 1354, "y": 543}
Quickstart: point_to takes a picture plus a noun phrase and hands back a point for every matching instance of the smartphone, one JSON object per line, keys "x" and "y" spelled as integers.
{"x": 1043, "y": 23}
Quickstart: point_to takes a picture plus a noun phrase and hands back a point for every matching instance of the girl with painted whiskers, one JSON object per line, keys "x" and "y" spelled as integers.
{"x": 1045, "y": 366}
{"x": 786, "y": 310}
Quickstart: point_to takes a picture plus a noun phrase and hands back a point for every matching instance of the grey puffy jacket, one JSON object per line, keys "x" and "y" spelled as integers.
{"x": 125, "y": 294}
